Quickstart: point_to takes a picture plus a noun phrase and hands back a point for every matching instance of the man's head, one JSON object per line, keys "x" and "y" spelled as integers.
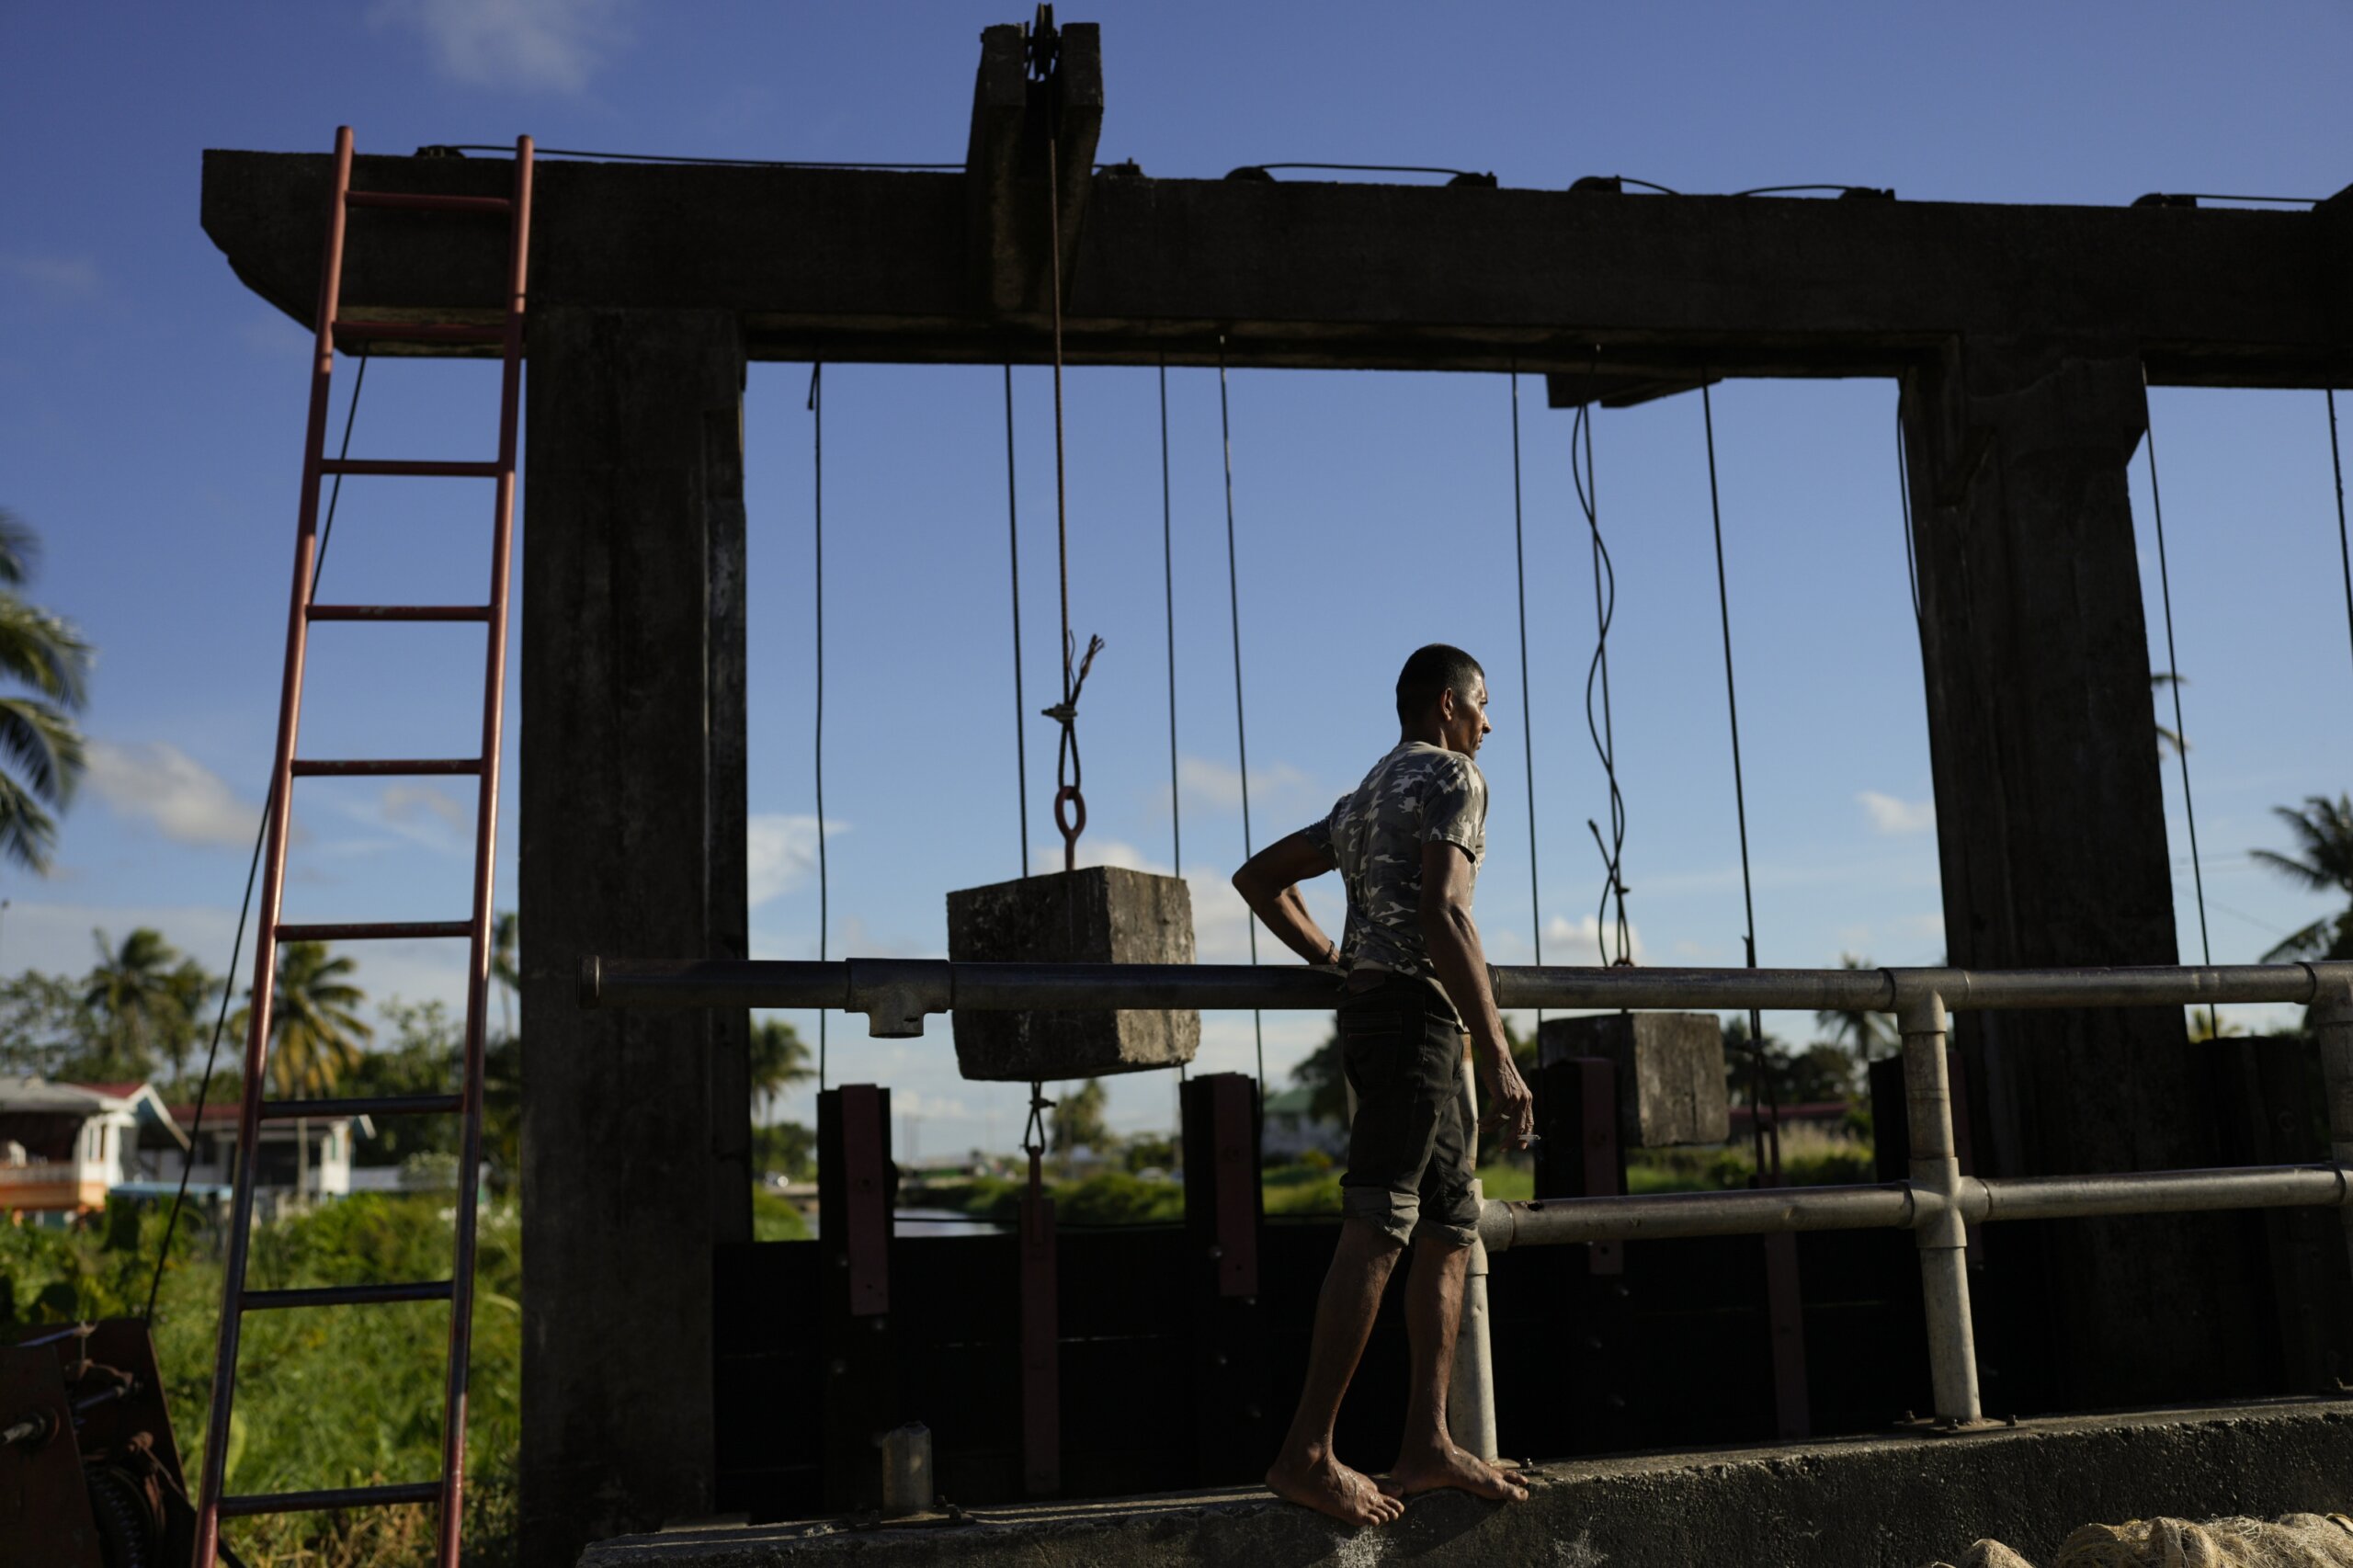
{"x": 1442, "y": 699}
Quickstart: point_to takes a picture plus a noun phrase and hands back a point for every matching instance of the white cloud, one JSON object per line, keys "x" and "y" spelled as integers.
{"x": 163, "y": 785}
{"x": 1891, "y": 815}
{"x": 1213, "y": 784}
{"x": 404, "y": 804}
{"x": 1579, "y": 941}
{"x": 780, "y": 852}
{"x": 548, "y": 44}
{"x": 59, "y": 276}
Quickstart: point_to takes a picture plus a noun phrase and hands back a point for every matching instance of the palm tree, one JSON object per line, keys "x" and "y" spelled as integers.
{"x": 506, "y": 936}
{"x": 2168, "y": 738}
{"x": 39, "y": 740}
{"x": 779, "y": 1059}
{"x": 1859, "y": 1029}
{"x": 314, "y": 1031}
{"x": 136, "y": 991}
{"x": 2322, "y": 829}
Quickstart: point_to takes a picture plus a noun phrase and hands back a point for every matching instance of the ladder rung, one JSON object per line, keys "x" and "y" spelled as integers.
{"x": 426, "y": 202}
{"x": 416, "y": 332}
{"x": 401, "y": 468}
{"x": 332, "y": 1497}
{"x": 344, "y": 1296}
{"x": 375, "y": 930}
{"x": 382, "y": 768}
{"x": 377, "y": 1105}
{"x": 400, "y": 612}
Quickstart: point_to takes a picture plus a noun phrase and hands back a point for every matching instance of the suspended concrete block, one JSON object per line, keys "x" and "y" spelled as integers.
{"x": 1098, "y": 915}
{"x": 1670, "y": 1072}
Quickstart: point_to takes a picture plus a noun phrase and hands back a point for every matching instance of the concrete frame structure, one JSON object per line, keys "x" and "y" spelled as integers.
{"x": 2021, "y": 337}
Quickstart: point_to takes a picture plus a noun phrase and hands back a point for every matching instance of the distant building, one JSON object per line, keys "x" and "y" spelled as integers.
{"x": 64, "y": 1146}
{"x": 301, "y": 1160}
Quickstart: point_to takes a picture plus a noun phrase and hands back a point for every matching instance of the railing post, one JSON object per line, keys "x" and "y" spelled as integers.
{"x": 2332, "y": 1022}
{"x": 1471, "y": 1393}
{"x": 1936, "y": 1178}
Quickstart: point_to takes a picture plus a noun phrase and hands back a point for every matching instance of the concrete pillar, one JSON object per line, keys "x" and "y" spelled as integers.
{"x": 2051, "y": 835}
{"x": 635, "y": 1125}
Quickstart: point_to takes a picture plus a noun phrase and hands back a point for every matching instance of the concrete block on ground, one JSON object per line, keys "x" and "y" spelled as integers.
{"x": 1096, "y": 914}
{"x": 1670, "y": 1072}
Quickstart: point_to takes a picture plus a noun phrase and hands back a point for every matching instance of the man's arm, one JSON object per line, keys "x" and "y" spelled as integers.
{"x": 1452, "y": 937}
{"x": 1269, "y": 882}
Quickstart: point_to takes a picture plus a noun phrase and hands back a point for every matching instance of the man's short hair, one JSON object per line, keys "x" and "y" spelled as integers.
{"x": 1440, "y": 667}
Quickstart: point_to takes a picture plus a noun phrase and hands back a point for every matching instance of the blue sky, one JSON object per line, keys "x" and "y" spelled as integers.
{"x": 153, "y": 411}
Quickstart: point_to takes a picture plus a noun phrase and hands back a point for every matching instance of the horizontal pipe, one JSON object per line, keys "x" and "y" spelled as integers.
{"x": 1039, "y": 987}
{"x": 1559, "y": 1222}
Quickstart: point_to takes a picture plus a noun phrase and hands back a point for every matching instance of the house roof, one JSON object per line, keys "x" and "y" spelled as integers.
{"x": 222, "y": 1115}
{"x": 40, "y": 1095}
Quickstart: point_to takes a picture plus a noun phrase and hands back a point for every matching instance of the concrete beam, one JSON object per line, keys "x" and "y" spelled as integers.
{"x": 868, "y": 266}
{"x": 635, "y": 1129}
{"x": 1854, "y": 1502}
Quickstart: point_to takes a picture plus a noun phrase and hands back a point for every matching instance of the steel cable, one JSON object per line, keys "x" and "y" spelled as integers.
{"x": 1527, "y": 722}
{"x": 2344, "y": 550}
{"x": 1763, "y": 1101}
{"x": 253, "y": 870}
{"x": 1013, "y": 551}
{"x": 1597, "y": 676}
{"x": 824, "y": 883}
{"x": 2172, "y": 684}
{"x": 1241, "y": 730}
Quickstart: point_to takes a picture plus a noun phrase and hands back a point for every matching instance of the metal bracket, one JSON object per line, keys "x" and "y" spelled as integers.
{"x": 895, "y": 994}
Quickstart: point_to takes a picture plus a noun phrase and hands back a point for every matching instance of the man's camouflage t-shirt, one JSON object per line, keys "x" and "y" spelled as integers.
{"x": 1419, "y": 794}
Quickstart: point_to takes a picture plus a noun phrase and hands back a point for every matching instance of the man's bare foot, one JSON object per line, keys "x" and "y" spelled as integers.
{"x": 1318, "y": 1481}
{"x": 1435, "y": 1470}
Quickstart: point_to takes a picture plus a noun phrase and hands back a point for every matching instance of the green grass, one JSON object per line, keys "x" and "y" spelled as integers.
{"x": 774, "y": 1219}
{"x": 333, "y": 1397}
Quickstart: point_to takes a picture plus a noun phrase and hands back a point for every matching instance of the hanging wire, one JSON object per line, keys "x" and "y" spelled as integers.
{"x": 1527, "y": 722}
{"x": 2344, "y": 550}
{"x": 1903, "y": 493}
{"x": 824, "y": 886}
{"x": 2173, "y": 683}
{"x": 1241, "y": 730}
{"x": 253, "y": 869}
{"x": 1597, "y": 678}
{"x": 1168, "y": 590}
{"x": 1763, "y": 1102}
{"x": 1013, "y": 554}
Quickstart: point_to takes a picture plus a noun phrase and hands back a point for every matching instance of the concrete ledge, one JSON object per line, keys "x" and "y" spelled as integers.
{"x": 1894, "y": 1502}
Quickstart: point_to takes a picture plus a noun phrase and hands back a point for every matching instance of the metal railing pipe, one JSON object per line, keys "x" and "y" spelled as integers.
{"x": 896, "y": 994}
{"x": 2152, "y": 1192}
{"x": 1660, "y": 1216}
{"x": 1944, "y": 1244}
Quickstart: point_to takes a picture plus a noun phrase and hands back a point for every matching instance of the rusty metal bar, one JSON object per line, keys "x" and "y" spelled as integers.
{"x": 373, "y": 930}
{"x": 344, "y": 1295}
{"x": 384, "y": 767}
{"x": 329, "y": 1497}
{"x": 400, "y": 612}
{"x": 411, "y": 468}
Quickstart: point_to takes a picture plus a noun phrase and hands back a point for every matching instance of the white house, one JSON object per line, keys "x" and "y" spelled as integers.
{"x": 64, "y": 1146}
{"x": 299, "y": 1160}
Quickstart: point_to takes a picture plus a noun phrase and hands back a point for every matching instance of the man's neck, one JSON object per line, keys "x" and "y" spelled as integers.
{"x": 1426, "y": 734}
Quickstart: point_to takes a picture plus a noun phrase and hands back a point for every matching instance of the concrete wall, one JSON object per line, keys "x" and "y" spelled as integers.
{"x": 635, "y": 1125}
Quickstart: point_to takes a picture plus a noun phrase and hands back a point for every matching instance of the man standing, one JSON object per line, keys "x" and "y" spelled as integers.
{"x": 1407, "y": 843}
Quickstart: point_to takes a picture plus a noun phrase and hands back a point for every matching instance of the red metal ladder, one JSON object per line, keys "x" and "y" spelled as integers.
{"x": 458, "y": 1289}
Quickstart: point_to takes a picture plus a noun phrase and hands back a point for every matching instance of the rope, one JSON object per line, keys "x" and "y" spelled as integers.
{"x": 1597, "y": 675}
{"x": 825, "y": 887}
{"x": 2173, "y": 683}
{"x": 1526, "y": 722}
{"x": 1168, "y": 589}
{"x": 1763, "y": 1102}
{"x": 1241, "y": 730}
{"x": 253, "y": 869}
{"x": 2344, "y": 551}
{"x": 1013, "y": 552}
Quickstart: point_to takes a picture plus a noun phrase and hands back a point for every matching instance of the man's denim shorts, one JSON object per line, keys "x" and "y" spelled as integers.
{"x": 1412, "y": 1145}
